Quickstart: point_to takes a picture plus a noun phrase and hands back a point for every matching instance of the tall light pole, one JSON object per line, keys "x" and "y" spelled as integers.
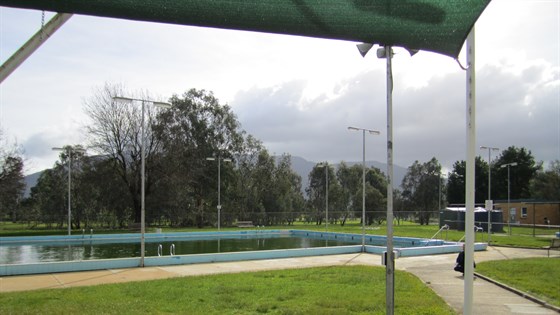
{"x": 69, "y": 150}
{"x": 373, "y": 132}
{"x": 129, "y": 100}
{"x": 219, "y": 206}
{"x": 489, "y": 203}
{"x": 507, "y": 213}
{"x": 386, "y": 52}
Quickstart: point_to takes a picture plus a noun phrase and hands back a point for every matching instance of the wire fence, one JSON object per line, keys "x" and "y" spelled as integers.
{"x": 303, "y": 218}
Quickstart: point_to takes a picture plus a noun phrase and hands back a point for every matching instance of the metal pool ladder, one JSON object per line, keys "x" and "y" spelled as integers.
{"x": 171, "y": 250}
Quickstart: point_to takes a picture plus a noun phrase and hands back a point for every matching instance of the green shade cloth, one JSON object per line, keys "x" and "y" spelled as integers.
{"x": 440, "y": 26}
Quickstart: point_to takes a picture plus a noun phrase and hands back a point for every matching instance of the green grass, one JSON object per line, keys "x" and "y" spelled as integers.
{"x": 539, "y": 277}
{"x": 325, "y": 290}
{"x": 520, "y": 237}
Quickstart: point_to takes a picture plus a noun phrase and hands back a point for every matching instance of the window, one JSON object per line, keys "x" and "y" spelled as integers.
{"x": 523, "y": 212}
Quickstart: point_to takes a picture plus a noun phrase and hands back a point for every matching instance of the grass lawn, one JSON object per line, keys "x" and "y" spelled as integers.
{"x": 539, "y": 277}
{"x": 325, "y": 290}
{"x": 521, "y": 237}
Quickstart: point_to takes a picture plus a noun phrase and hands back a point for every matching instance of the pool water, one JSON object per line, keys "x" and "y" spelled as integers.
{"x": 88, "y": 249}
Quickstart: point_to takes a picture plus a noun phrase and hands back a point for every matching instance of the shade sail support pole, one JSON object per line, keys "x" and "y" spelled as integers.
{"x": 470, "y": 173}
{"x": 32, "y": 45}
{"x": 390, "y": 267}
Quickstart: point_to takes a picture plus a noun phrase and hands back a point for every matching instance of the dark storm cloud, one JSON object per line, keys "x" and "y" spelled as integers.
{"x": 519, "y": 110}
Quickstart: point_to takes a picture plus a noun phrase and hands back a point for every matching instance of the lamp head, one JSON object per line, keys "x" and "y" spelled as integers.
{"x": 364, "y": 48}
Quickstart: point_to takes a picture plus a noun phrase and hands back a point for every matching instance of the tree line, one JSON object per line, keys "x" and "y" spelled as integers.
{"x": 183, "y": 146}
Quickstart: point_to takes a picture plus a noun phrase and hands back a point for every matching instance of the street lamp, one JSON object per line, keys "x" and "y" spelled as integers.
{"x": 129, "y": 100}
{"x": 373, "y": 132}
{"x": 219, "y": 206}
{"x": 508, "y": 210}
{"x": 326, "y": 166}
{"x": 69, "y": 150}
{"x": 386, "y": 52}
{"x": 489, "y": 204}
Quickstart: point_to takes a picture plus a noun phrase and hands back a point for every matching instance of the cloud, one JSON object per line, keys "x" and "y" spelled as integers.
{"x": 512, "y": 110}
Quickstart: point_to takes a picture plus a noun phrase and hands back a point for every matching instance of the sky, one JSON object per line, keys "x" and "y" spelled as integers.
{"x": 297, "y": 95}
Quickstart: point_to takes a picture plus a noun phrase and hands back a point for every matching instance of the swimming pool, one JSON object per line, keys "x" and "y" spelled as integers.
{"x": 27, "y": 255}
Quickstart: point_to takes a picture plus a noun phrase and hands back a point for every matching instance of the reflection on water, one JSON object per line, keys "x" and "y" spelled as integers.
{"x": 86, "y": 250}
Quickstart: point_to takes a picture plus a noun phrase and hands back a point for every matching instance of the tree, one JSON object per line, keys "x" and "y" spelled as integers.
{"x": 350, "y": 179}
{"x": 420, "y": 188}
{"x": 546, "y": 184}
{"x": 195, "y": 128}
{"x": 456, "y": 182}
{"x": 316, "y": 191}
{"x": 48, "y": 197}
{"x": 286, "y": 191}
{"x": 520, "y": 175}
{"x": 376, "y": 197}
{"x": 12, "y": 185}
{"x": 115, "y": 131}
{"x": 12, "y": 182}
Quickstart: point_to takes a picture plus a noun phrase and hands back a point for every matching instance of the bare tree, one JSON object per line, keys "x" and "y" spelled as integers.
{"x": 115, "y": 131}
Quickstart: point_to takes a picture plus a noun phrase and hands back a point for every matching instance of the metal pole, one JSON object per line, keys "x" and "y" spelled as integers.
{"x": 219, "y": 192}
{"x": 363, "y": 190}
{"x": 375, "y": 132}
{"x": 32, "y": 44}
{"x": 390, "y": 268}
{"x": 327, "y": 196}
{"x": 143, "y": 194}
{"x": 509, "y": 226}
{"x": 470, "y": 179}
{"x": 69, "y": 188}
{"x": 489, "y": 213}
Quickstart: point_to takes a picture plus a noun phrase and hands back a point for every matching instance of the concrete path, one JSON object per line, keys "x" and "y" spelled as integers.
{"x": 489, "y": 298}
{"x": 436, "y": 271}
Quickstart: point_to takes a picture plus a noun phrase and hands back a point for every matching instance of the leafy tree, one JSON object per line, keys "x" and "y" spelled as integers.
{"x": 420, "y": 188}
{"x": 71, "y": 156}
{"x": 49, "y": 197}
{"x": 12, "y": 182}
{"x": 520, "y": 175}
{"x": 546, "y": 184}
{"x": 316, "y": 191}
{"x": 456, "y": 182}
{"x": 376, "y": 197}
{"x": 195, "y": 128}
{"x": 12, "y": 185}
{"x": 99, "y": 194}
{"x": 350, "y": 179}
{"x": 287, "y": 191}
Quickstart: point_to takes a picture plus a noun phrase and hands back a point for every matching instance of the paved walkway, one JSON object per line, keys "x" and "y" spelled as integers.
{"x": 436, "y": 271}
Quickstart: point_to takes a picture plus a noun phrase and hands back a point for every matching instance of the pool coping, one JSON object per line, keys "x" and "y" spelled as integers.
{"x": 152, "y": 261}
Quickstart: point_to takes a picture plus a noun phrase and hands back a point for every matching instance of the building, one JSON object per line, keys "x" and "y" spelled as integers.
{"x": 526, "y": 211}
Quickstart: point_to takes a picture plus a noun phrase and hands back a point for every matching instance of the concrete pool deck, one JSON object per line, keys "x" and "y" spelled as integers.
{"x": 435, "y": 270}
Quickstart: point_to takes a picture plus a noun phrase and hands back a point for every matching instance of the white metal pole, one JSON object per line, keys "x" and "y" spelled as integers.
{"x": 489, "y": 211}
{"x": 143, "y": 194}
{"x": 219, "y": 193}
{"x": 507, "y": 213}
{"x": 327, "y": 196}
{"x": 390, "y": 268}
{"x": 69, "y": 190}
{"x": 470, "y": 180}
{"x": 363, "y": 190}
